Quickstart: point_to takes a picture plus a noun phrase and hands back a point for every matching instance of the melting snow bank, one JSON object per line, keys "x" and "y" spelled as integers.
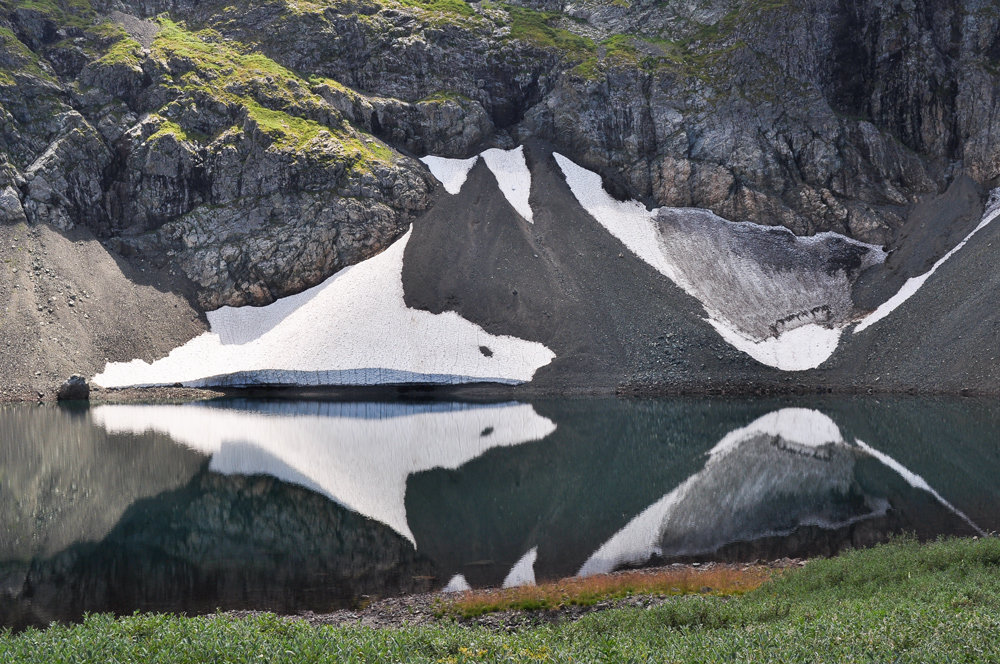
{"x": 787, "y": 469}
{"x": 353, "y": 329}
{"x": 780, "y": 298}
{"x": 358, "y": 458}
{"x": 513, "y": 176}
{"x": 799, "y": 349}
{"x": 913, "y": 284}
{"x": 508, "y": 167}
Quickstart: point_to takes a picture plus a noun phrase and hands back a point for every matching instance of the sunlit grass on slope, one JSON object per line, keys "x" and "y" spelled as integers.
{"x": 904, "y": 602}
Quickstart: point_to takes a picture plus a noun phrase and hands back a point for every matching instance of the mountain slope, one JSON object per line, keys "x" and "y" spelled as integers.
{"x": 236, "y": 155}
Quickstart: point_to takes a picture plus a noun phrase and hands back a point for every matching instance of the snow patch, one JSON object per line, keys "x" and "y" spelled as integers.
{"x": 523, "y": 572}
{"x": 353, "y": 329}
{"x": 513, "y": 176}
{"x": 360, "y": 462}
{"x": 784, "y": 316}
{"x": 629, "y": 221}
{"x": 913, "y": 284}
{"x": 798, "y": 349}
{"x": 451, "y": 173}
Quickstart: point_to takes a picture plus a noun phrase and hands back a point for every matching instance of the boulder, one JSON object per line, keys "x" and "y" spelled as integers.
{"x": 74, "y": 389}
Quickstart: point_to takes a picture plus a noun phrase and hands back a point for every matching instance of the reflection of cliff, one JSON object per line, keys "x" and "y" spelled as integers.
{"x": 607, "y": 460}
{"x": 293, "y": 506}
{"x": 64, "y": 481}
{"x": 272, "y": 513}
{"x": 625, "y": 482}
{"x": 220, "y": 542}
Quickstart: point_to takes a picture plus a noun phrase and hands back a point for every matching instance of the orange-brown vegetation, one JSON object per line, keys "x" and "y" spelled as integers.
{"x": 576, "y": 591}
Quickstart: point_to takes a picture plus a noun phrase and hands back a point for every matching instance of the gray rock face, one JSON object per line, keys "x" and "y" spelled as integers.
{"x": 834, "y": 123}
{"x": 11, "y": 211}
{"x": 205, "y": 149}
{"x": 191, "y": 155}
{"x": 64, "y": 183}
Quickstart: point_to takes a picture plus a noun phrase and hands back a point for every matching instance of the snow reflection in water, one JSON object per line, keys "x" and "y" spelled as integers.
{"x": 291, "y": 506}
{"x": 794, "y": 459}
{"x": 358, "y": 455}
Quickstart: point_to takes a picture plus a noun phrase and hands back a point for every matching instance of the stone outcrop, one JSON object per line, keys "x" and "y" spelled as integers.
{"x": 191, "y": 153}
{"x": 819, "y": 117}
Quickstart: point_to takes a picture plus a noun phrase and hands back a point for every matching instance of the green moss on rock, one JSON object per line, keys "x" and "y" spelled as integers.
{"x": 278, "y": 101}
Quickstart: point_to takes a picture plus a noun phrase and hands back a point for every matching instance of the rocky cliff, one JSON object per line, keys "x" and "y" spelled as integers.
{"x": 242, "y": 153}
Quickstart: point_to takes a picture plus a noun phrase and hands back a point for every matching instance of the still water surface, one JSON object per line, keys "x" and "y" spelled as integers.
{"x": 293, "y": 506}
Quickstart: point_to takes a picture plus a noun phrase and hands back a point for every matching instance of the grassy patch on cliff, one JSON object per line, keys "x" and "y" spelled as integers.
{"x": 536, "y": 27}
{"x": 697, "y": 54}
{"x": 279, "y": 102}
{"x": 903, "y": 602}
{"x": 76, "y": 13}
{"x": 459, "y": 7}
{"x": 19, "y": 59}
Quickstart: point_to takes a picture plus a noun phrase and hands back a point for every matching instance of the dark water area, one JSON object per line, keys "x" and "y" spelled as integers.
{"x": 292, "y": 506}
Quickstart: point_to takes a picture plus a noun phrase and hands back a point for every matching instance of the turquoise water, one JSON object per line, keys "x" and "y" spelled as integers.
{"x": 294, "y": 506}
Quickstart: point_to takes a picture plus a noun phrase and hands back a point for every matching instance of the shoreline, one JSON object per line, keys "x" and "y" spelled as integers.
{"x": 437, "y": 607}
{"x": 475, "y": 392}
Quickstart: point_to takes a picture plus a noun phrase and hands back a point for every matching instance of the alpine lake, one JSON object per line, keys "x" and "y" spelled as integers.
{"x": 295, "y": 506}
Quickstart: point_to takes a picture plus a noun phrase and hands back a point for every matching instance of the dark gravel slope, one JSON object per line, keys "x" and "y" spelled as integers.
{"x": 564, "y": 281}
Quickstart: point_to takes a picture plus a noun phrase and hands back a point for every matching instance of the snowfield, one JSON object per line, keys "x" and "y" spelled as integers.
{"x": 353, "y": 329}
{"x": 780, "y": 299}
{"x": 777, "y": 297}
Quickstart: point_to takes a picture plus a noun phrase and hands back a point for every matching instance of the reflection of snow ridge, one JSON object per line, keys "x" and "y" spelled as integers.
{"x": 360, "y": 463}
{"x": 916, "y": 481}
{"x": 804, "y": 429}
{"x": 457, "y": 584}
{"x": 353, "y": 329}
{"x": 523, "y": 571}
{"x": 638, "y": 541}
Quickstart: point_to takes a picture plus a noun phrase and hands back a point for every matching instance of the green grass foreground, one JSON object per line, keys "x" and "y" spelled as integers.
{"x": 903, "y": 602}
